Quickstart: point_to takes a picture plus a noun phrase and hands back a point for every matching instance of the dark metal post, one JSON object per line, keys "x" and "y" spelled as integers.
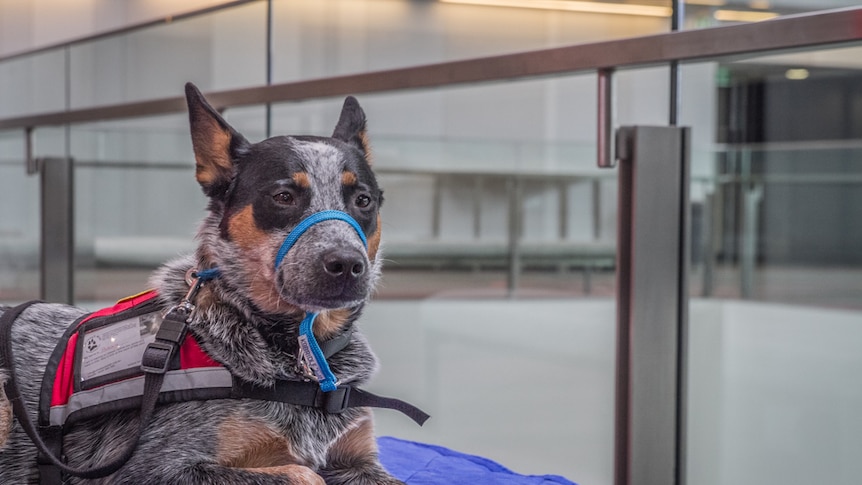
{"x": 57, "y": 233}
{"x": 515, "y": 190}
{"x": 596, "y": 193}
{"x": 708, "y": 233}
{"x": 562, "y": 210}
{"x": 478, "y": 189}
{"x": 652, "y": 305}
{"x": 436, "y": 206}
{"x": 604, "y": 123}
{"x": 751, "y": 199}
{"x": 268, "y": 106}
{"x": 676, "y": 23}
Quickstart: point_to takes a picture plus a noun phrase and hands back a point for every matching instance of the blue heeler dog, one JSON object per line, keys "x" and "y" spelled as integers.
{"x": 247, "y": 319}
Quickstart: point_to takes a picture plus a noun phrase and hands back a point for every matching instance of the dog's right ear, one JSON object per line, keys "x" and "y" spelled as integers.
{"x": 215, "y": 143}
{"x": 351, "y": 127}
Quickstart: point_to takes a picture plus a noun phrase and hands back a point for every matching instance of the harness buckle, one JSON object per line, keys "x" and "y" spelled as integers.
{"x": 157, "y": 357}
{"x": 336, "y": 402}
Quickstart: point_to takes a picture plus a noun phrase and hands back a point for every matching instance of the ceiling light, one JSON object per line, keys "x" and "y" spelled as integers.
{"x": 708, "y": 3}
{"x": 574, "y": 6}
{"x": 796, "y": 74}
{"x": 742, "y": 15}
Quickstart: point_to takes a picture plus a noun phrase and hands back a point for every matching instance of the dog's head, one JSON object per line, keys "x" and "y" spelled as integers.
{"x": 260, "y": 192}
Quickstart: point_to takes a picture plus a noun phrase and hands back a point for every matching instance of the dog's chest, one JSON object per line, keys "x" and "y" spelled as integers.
{"x": 272, "y": 434}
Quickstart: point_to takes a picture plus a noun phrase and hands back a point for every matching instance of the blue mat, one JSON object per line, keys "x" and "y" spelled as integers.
{"x": 421, "y": 464}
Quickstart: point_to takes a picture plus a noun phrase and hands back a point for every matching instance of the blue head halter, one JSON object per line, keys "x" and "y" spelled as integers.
{"x": 309, "y": 350}
{"x": 317, "y": 217}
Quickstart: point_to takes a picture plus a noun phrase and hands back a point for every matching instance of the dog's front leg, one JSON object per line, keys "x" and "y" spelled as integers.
{"x": 6, "y": 419}
{"x": 353, "y": 458}
{"x": 293, "y": 474}
{"x": 213, "y": 473}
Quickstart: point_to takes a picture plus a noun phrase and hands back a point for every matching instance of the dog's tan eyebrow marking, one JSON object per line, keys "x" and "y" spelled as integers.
{"x": 348, "y": 178}
{"x": 243, "y": 230}
{"x": 301, "y": 179}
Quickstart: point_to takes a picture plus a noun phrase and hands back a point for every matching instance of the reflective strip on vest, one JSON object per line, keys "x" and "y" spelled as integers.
{"x": 176, "y": 380}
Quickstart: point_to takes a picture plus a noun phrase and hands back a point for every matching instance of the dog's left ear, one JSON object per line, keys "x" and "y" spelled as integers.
{"x": 351, "y": 127}
{"x": 216, "y": 144}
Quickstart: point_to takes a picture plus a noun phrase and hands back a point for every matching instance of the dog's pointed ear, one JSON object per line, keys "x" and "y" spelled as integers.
{"x": 351, "y": 127}
{"x": 215, "y": 144}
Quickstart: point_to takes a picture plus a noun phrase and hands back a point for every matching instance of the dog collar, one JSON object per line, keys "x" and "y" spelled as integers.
{"x": 310, "y": 354}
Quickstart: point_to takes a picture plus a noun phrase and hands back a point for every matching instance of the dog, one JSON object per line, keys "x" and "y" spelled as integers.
{"x": 247, "y": 319}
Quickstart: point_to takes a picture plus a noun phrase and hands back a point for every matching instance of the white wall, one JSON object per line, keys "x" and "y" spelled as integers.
{"x": 31, "y": 24}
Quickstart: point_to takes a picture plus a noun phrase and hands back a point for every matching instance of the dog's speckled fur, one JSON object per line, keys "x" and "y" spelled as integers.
{"x": 247, "y": 319}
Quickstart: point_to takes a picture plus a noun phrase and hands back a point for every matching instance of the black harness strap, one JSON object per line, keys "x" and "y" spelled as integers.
{"x": 358, "y": 398}
{"x": 333, "y": 402}
{"x": 48, "y": 474}
{"x": 335, "y": 344}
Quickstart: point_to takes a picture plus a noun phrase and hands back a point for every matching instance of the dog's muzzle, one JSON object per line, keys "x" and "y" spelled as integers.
{"x": 316, "y": 218}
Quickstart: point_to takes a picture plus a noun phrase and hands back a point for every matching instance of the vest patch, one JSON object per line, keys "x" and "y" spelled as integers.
{"x": 115, "y": 349}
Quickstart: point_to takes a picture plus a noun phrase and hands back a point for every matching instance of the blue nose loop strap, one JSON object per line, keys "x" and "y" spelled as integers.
{"x": 309, "y": 350}
{"x": 317, "y": 217}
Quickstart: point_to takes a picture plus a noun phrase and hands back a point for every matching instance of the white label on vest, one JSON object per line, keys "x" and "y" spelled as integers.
{"x": 118, "y": 346}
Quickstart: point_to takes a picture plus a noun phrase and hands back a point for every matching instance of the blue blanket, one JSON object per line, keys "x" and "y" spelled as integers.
{"x": 421, "y": 464}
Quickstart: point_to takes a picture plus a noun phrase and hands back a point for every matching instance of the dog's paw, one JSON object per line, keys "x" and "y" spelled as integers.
{"x": 295, "y": 474}
{"x": 305, "y": 476}
{"x": 356, "y": 477}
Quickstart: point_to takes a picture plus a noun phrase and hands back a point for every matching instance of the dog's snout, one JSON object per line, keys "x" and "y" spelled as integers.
{"x": 344, "y": 264}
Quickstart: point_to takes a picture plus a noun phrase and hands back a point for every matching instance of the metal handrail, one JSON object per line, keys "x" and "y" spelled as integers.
{"x": 782, "y": 33}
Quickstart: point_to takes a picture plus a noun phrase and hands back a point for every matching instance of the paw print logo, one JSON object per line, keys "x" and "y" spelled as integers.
{"x": 92, "y": 344}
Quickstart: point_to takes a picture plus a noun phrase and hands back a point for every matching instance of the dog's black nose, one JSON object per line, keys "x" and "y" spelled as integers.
{"x": 344, "y": 264}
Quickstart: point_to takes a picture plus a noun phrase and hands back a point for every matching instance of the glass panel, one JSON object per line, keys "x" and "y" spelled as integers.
{"x": 136, "y": 200}
{"x": 33, "y": 84}
{"x": 221, "y": 50}
{"x": 136, "y": 203}
{"x": 452, "y": 173}
{"x": 332, "y": 37}
{"x": 19, "y": 222}
{"x": 450, "y": 334}
{"x": 777, "y": 273}
{"x": 712, "y": 13}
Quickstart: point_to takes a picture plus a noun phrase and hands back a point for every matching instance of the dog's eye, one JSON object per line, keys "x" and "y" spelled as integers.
{"x": 283, "y": 198}
{"x": 362, "y": 201}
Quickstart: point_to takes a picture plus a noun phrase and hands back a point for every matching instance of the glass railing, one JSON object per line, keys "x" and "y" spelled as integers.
{"x": 496, "y": 221}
